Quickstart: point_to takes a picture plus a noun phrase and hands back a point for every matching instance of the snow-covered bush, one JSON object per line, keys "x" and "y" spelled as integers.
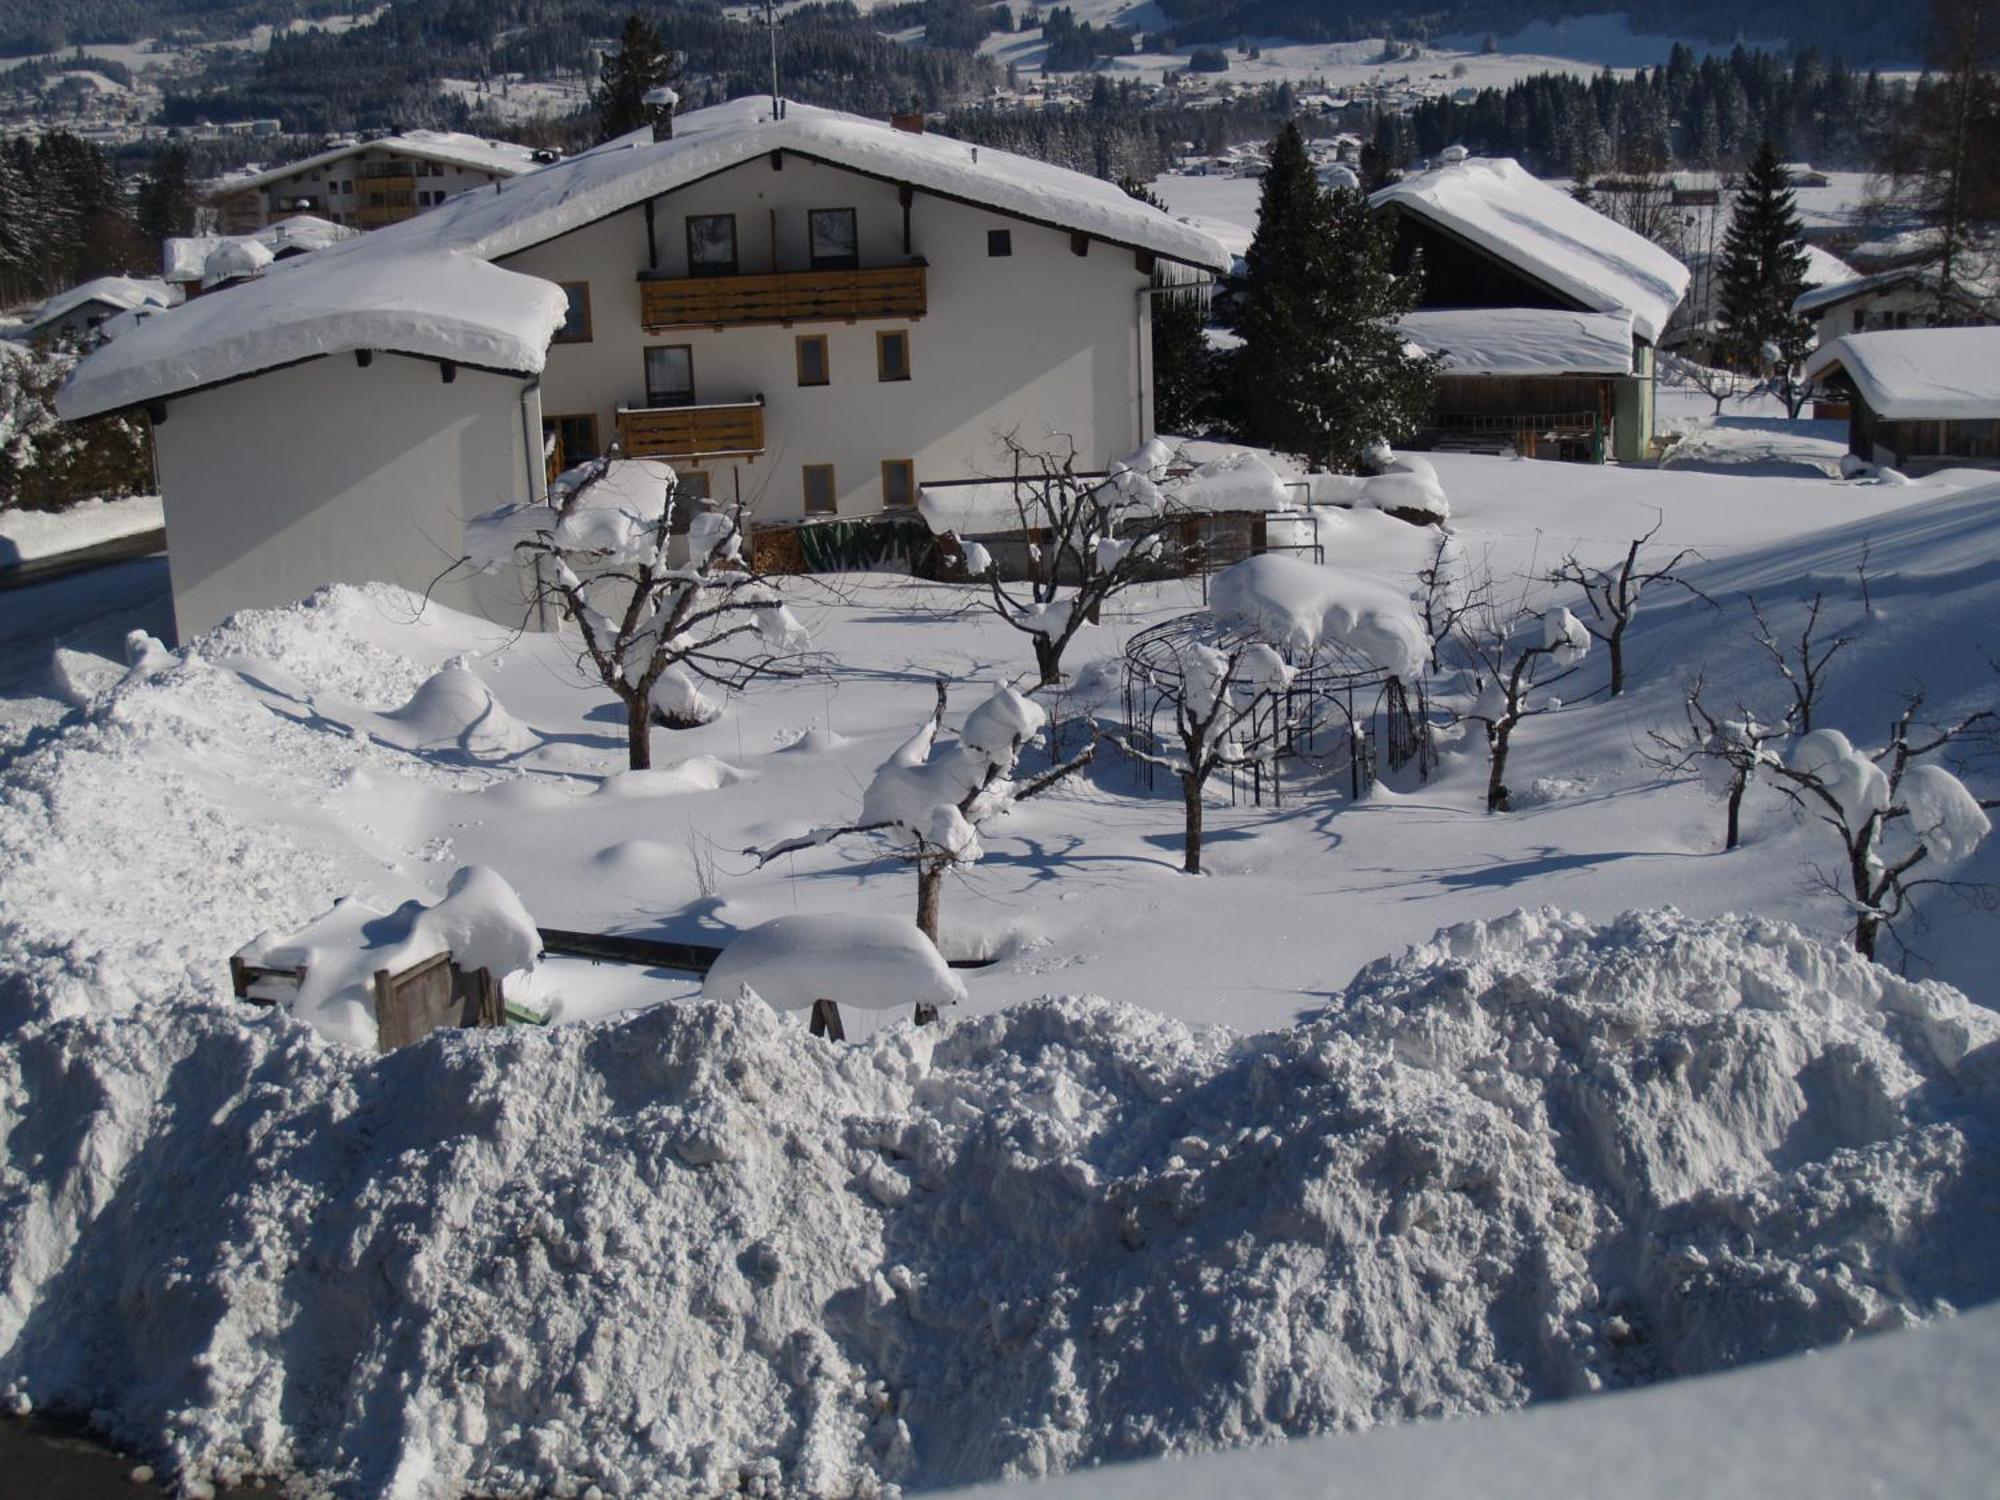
{"x": 47, "y": 463}
{"x": 654, "y": 630}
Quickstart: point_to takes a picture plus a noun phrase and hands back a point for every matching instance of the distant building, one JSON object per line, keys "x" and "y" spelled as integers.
{"x": 367, "y": 184}
{"x": 81, "y": 313}
{"x": 1921, "y": 399}
{"x": 1506, "y": 253}
{"x": 1902, "y": 298}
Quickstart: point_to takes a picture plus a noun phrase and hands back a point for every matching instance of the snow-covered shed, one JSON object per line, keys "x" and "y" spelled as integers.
{"x": 1922, "y": 398}
{"x": 811, "y": 312}
{"x": 200, "y": 262}
{"x": 1492, "y": 237}
{"x": 83, "y": 311}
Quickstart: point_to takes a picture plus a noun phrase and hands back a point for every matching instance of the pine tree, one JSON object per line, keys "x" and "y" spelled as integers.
{"x": 1181, "y": 363}
{"x": 1763, "y": 268}
{"x": 167, "y": 203}
{"x": 1323, "y": 373}
{"x": 641, "y": 63}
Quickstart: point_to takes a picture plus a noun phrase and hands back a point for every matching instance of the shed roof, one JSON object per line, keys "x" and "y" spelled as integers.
{"x": 119, "y": 293}
{"x": 1919, "y": 374}
{"x": 1510, "y": 214}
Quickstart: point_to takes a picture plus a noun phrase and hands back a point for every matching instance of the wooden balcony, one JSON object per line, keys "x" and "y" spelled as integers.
{"x": 782, "y": 297}
{"x": 731, "y": 429}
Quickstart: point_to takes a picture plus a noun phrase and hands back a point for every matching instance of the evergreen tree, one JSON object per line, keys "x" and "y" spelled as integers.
{"x": 641, "y": 63}
{"x": 1323, "y": 373}
{"x": 167, "y": 202}
{"x": 1181, "y": 363}
{"x": 1764, "y": 267}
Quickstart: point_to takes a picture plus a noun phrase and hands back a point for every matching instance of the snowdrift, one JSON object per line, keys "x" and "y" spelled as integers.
{"x": 694, "y": 1249}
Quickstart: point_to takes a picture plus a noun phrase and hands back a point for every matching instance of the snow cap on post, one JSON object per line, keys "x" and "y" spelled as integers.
{"x": 869, "y": 961}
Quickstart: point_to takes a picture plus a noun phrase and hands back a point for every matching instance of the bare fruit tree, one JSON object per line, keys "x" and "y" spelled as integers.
{"x": 1228, "y": 712}
{"x": 1613, "y": 593}
{"x": 1517, "y": 659}
{"x": 932, "y": 802}
{"x": 1712, "y": 381}
{"x": 1088, "y": 539}
{"x": 652, "y": 630}
{"x": 1897, "y": 812}
{"x": 1726, "y": 751}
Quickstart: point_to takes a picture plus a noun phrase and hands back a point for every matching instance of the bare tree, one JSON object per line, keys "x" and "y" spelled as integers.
{"x": 1613, "y": 594}
{"x": 1802, "y": 663}
{"x": 1517, "y": 659}
{"x": 1088, "y": 539}
{"x": 1445, "y": 593}
{"x": 1893, "y": 810}
{"x": 932, "y": 803}
{"x": 653, "y": 631}
{"x": 1726, "y": 751}
{"x": 1717, "y": 383}
{"x": 1228, "y": 711}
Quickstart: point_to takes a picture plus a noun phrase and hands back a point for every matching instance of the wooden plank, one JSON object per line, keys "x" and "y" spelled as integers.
{"x": 411, "y": 1005}
{"x": 783, "y": 297}
{"x": 687, "y": 958}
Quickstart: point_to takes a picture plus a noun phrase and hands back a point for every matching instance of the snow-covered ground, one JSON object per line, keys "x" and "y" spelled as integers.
{"x": 33, "y": 535}
{"x": 686, "y": 1245}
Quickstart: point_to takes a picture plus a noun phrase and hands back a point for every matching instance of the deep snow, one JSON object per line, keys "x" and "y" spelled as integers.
{"x": 689, "y": 1244}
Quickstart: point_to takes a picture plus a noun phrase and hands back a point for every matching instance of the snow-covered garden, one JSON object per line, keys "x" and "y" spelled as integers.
{"x": 1439, "y": 1090}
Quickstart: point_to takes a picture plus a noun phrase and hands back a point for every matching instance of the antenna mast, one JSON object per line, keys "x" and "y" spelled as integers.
{"x": 771, "y": 25}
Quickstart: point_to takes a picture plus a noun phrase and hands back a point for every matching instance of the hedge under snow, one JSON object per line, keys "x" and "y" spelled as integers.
{"x": 694, "y": 1249}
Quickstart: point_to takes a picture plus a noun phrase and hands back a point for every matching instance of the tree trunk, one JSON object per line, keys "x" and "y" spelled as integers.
{"x": 1733, "y": 835}
{"x": 1867, "y": 923}
{"x": 930, "y": 891}
{"x": 1048, "y": 659}
{"x": 1614, "y": 646}
{"x": 639, "y": 732}
{"x": 1497, "y": 797}
{"x": 1191, "y": 844}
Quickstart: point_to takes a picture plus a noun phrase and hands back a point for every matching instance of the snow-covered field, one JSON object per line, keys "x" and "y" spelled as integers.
{"x": 683, "y": 1245}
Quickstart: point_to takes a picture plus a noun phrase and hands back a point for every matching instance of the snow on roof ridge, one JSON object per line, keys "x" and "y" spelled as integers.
{"x": 1920, "y": 374}
{"x": 1500, "y": 206}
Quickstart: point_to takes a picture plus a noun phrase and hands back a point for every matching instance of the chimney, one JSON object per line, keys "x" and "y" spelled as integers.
{"x": 910, "y": 120}
{"x": 662, "y": 101}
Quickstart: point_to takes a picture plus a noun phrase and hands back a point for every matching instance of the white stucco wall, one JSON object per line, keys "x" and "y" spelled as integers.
{"x": 343, "y": 192}
{"x": 1042, "y": 341}
{"x": 1909, "y": 301}
{"x": 328, "y": 472}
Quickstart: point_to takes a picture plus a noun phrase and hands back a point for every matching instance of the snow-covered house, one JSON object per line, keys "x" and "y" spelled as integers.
{"x": 83, "y": 311}
{"x": 367, "y": 184}
{"x": 1903, "y": 298}
{"x": 1923, "y": 399}
{"x": 1493, "y": 238}
{"x": 815, "y": 314}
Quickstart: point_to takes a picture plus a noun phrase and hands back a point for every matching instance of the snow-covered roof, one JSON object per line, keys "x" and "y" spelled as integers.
{"x": 1919, "y": 374}
{"x": 119, "y": 293}
{"x": 1523, "y": 340}
{"x": 1540, "y": 230}
{"x": 423, "y": 301}
{"x": 451, "y": 147}
{"x": 1824, "y": 268}
{"x": 1817, "y": 299}
{"x": 185, "y": 258}
{"x": 362, "y": 293}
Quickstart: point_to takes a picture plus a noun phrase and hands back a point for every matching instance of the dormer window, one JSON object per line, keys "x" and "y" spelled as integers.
{"x": 835, "y": 240}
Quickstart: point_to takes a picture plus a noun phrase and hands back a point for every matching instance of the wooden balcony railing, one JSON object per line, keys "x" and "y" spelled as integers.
{"x": 735, "y": 427}
{"x": 782, "y": 297}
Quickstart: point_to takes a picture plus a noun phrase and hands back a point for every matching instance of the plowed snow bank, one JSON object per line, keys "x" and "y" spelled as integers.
{"x": 695, "y": 1248}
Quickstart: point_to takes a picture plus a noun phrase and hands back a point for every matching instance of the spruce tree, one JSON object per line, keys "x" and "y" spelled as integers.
{"x": 1323, "y": 371}
{"x": 1181, "y": 363}
{"x": 167, "y": 203}
{"x": 1763, "y": 268}
{"x": 641, "y": 63}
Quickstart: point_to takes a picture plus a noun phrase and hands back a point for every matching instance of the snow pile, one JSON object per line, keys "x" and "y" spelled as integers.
{"x": 1856, "y": 784}
{"x": 454, "y": 713}
{"x": 1944, "y": 817}
{"x": 479, "y": 921}
{"x": 871, "y": 962}
{"x": 1404, "y": 483}
{"x": 1299, "y": 606}
{"x": 235, "y": 260}
{"x": 1232, "y": 482}
{"x": 693, "y": 1251}
{"x": 1564, "y": 637}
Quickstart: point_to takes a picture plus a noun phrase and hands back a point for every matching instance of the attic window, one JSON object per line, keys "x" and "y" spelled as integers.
{"x": 575, "y": 327}
{"x": 999, "y": 242}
